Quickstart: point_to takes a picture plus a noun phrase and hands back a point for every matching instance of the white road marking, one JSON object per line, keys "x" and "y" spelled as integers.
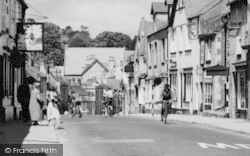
{"x": 246, "y": 146}
{"x": 125, "y": 141}
{"x": 224, "y": 146}
{"x": 72, "y": 123}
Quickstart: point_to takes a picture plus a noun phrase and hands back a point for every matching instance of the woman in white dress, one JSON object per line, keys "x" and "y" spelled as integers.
{"x": 34, "y": 106}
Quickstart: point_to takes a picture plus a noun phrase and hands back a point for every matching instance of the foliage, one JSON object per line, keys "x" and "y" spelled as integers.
{"x": 80, "y": 39}
{"x": 52, "y": 43}
{"x": 112, "y": 39}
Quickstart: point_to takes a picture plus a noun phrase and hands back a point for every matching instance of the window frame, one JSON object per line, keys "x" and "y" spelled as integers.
{"x": 174, "y": 86}
{"x": 208, "y": 93}
{"x": 188, "y": 87}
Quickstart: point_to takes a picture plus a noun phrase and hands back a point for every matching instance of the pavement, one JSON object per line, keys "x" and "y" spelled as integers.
{"x": 18, "y": 132}
{"x": 239, "y": 126}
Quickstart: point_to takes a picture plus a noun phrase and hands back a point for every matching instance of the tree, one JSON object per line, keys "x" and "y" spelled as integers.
{"x": 112, "y": 39}
{"x": 80, "y": 39}
{"x": 52, "y": 43}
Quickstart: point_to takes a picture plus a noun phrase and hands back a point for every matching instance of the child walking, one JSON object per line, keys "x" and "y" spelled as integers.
{"x": 53, "y": 113}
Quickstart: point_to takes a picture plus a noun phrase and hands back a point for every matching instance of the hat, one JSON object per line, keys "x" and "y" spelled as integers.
{"x": 37, "y": 84}
{"x": 31, "y": 80}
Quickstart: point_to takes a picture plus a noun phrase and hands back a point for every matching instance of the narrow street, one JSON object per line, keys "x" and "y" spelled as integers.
{"x": 125, "y": 136}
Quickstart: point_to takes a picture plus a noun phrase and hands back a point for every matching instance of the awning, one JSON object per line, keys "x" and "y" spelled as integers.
{"x": 34, "y": 72}
{"x": 150, "y": 78}
{"x": 217, "y": 70}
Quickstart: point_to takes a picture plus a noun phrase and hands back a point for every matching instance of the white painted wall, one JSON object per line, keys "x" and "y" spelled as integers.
{"x": 95, "y": 71}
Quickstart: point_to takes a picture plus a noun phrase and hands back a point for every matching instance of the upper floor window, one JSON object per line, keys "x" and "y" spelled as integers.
{"x": 208, "y": 51}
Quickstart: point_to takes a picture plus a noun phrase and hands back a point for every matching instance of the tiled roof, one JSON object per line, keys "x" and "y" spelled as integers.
{"x": 215, "y": 9}
{"x": 192, "y": 7}
{"x": 160, "y": 24}
{"x": 159, "y": 7}
{"x": 75, "y": 58}
{"x": 92, "y": 64}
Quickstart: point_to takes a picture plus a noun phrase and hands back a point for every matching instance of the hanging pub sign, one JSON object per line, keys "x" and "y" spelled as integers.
{"x": 193, "y": 29}
{"x": 31, "y": 37}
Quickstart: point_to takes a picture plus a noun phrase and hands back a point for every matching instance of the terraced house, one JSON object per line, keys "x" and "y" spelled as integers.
{"x": 11, "y": 72}
{"x": 157, "y": 54}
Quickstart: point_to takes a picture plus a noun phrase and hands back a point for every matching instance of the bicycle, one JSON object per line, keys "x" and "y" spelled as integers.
{"x": 166, "y": 109}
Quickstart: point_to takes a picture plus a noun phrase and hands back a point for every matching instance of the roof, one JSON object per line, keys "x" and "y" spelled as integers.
{"x": 214, "y": 9}
{"x": 159, "y": 8}
{"x": 92, "y": 64}
{"x": 192, "y": 7}
{"x": 75, "y": 58}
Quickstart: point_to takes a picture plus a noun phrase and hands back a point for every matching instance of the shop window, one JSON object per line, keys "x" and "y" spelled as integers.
{"x": 173, "y": 85}
{"x": 241, "y": 87}
{"x": 188, "y": 87}
{"x": 208, "y": 93}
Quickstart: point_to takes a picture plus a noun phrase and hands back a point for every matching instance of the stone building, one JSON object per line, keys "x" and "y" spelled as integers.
{"x": 11, "y": 72}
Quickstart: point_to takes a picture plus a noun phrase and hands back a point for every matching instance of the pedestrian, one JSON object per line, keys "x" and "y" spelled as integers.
{"x": 23, "y": 96}
{"x": 35, "y": 108}
{"x": 53, "y": 113}
{"x": 166, "y": 102}
{"x": 108, "y": 103}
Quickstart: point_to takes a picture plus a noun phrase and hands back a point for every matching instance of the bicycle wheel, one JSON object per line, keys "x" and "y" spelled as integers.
{"x": 165, "y": 114}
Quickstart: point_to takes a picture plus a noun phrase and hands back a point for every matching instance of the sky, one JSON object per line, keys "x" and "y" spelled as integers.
{"x": 98, "y": 15}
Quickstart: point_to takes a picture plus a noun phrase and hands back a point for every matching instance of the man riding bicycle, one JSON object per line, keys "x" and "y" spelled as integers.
{"x": 108, "y": 103}
{"x": 166, "y": 102}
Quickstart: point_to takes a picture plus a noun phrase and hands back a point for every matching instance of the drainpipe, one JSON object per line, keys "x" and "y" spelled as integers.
{"x": 227, "y": 79}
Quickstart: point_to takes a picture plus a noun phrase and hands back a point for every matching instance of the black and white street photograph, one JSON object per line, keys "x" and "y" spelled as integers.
{"x": 124, "y": 77}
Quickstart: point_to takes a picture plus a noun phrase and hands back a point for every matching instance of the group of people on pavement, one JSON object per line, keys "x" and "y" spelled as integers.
{"x": 33, "y": 107}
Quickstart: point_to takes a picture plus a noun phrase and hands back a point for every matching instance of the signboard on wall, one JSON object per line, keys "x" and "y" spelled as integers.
{"x": 193, "y": 29}
{"x": 202, "y": 54}
{"x": 31, "y": 37}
